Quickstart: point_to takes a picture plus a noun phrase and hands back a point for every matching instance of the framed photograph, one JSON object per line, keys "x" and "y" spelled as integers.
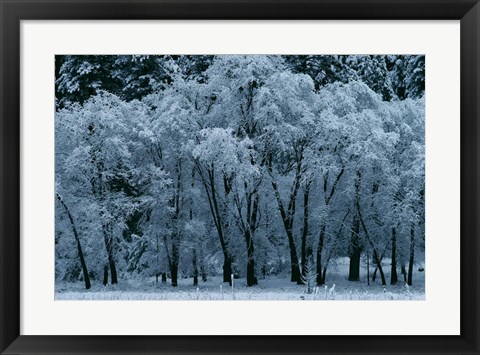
{"x": 239, "y": 177}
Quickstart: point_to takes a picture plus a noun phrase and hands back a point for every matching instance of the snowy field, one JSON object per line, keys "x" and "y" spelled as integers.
{"x": 267, "y": 289}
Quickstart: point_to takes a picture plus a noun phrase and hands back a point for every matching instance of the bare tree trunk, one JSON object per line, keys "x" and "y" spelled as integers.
{"x": 321, "y": 240}
{"x": 403, "y": 271}
{"x": 328, "y": 195}
{"x": 379, "y": 266}
{"x": 175, "y": 259}
{"x": 203, "y": 271}
{"x": 251, "y": 225}
{"x": 176, "y": 229}
{"x": 98, "y": 192}
{"x": 355, "y": 247}
{"x": 412, "y": 254}
{"x": 195, "y": 267}
{"x": 288, "y": 218}
{"x": 355, "y": 252}
{"x": 368, "y": 268}
{"x": 109, "y": 245}
{"x": 105, "y": 275}
{"x": 251, "y": 279}
{"x": 83, "y": 264}
{"x": 195, "y": 241}
{"x": 393, "y": 274}
{"x": 306, "y": 255}
{"x": 376, "y": 257}
{"x": 209, "y": 185}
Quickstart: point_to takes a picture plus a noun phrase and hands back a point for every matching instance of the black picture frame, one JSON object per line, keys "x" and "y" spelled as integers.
{"x": 13, "y": 11}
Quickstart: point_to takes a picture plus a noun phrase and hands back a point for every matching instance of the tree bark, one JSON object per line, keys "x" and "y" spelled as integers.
{"x": 403, "y": 271}
{"x": 105, "y": 275}
{"x": 324, "y": 274}
{"x": 227, "y": 269}
{"x": 251, "y": 279}
{"x": 321, "y": 240}
{"x": 355, "y": 252}
{"x": 109, "y": 245}
{"x": 195, "y": 267}
{"x": 288, "y": 218}
{"x": 412, "y": 254}
{"x": 306, "y": 250}
{"x": 176, "y": 229}
{"x": 98, "y": 191}
{"x": 175, "y": 259}
{"x": 355, "y": 247}
{"x": 195, "y": 241}
{"x": 250, "y": 227}
{"x": 379, "y": 266}
{"x": 209, "y": 185}
{"x": 368, "y": 268}
{"x": 83, "y": 264}
{"x": 203, "y": 271}
{"x": 376, "y": 257}
{"x": 393, "y": 274}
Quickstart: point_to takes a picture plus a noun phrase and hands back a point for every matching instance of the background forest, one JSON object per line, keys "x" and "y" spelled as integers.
{"x": 180, "y": 170}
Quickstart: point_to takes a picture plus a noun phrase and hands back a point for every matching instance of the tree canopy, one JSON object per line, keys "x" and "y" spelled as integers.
{"x": 244, "y": 165}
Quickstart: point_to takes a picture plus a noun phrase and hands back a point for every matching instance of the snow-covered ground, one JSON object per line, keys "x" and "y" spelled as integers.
{"x": 267, "y": 289}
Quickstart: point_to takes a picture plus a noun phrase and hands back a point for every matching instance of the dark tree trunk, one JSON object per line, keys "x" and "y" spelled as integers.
{"x": 157, "y": 249}
{"x": 174, "y": 275}
{"x": 305, "y": 247}
{"x": 296, "y": 275}
{"x": 412, "y": 254}
{"x": 202, "y": 266}
{"x": 209, "y": 185}
{"x": 376, "y": 257}
{"x": 379, "y": 266}
{"x": 176, "y": 217}
{"x": 374, "y": 276}
{"x": 248, "y": 226}
{"x": 321, "y": 240}
{"x": 355, "y": 247}
{"x": 328, "y": 195}
{"x": 227, "y": 269}
{"x": 324, "y": 274}
{"x": 98, "y": 191}
{"x": 194, "y": 256}
{"x": 174, "y": 267}
{"x": 175, "y": 258}
{"x": 403, "y": 271}
{"x": 368, "y": 268}
{"x": 86, "y": 278}
{"x": 105, "y": 275}
{"x": 354, "y": 267}
{"x": 113, "y": 269}
{"x": 393, "y": 275}
{"x": 164, "y": 277}
{"x": 251, "y": 279}
{"x": 355, "y": 252}
{"x": 195, "y": 267}
{"x": 83, "y": 264}
{"x": 288, "y": 218}
{"x": 111, "y": 260}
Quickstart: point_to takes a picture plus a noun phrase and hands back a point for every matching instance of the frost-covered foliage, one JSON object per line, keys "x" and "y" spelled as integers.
{"x": 169, "y": 167}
